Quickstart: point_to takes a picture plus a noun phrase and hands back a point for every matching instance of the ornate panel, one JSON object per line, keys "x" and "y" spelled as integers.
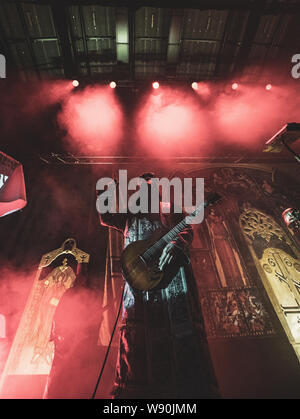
{"x": 232, "y": 313}
{"x": 32, "y": 351}
{"x": 255, "y": 223}
{"x": 278, "y": 262}
{"x": 283, "y": 273}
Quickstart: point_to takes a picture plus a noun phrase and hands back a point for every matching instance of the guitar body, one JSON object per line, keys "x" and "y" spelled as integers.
{"x": 141, "y": 275}
{"x": 141, "y": 270}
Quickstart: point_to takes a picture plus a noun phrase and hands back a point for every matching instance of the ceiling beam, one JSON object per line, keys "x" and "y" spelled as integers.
{"x": 174, "y": 41}
{"x": 122, "y": 35}
{"x": 274, "y": 7}
{"x": 252, "y": 24}
{"x": 85, "y": 44}
{"x": 21, "y": 16}
{"x": 131, "y": 26}
{"x": 221, "y": 53}
{"x": 63, "y": 31}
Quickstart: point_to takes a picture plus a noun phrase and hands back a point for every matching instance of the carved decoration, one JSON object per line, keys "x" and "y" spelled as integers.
{"x": 255, "y": 223}
{"x": 284, "y": 279}
{"x": 68, "y": 247}
{"x": 32, "y": 351}
{"x": 279, "y": 270}
{"x": 233, "y": 313}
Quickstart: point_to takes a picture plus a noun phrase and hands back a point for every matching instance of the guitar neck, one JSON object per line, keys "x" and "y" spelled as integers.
{"x": 157, "y": 248}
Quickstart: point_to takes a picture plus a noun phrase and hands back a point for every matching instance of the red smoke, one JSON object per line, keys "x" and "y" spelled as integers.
{"x": 81, "y": 316}
{"x": 34, "y": 97}
{"x": 252, "y": 114}
{"x": 21, "y": 102}
{"x": 14, "y": 290}
{"x": 47, "y": 93}
{"x": 93, "y": 120}
{"x": 202, "y": 89}
{"x": 176, "y": 123}
{"x": 171, "y": 122}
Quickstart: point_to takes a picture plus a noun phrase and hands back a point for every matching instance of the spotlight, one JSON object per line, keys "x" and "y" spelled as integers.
{"x": 268, "y": 86}
{"x": 75, "y": 83}
{"x": 155, "y": 85}
{"x": 202, "y": 89}
{"x": 195, "y": 85}
{"x": 234, "y": 86}
{"x": 113, "y": 84}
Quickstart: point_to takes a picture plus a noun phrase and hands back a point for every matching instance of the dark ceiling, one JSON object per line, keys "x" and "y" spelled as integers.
{"x": 134, "y": 42}
{"x": 137, "y": 40}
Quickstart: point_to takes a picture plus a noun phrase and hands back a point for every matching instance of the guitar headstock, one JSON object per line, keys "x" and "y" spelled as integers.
{"x": 212, "y": 199}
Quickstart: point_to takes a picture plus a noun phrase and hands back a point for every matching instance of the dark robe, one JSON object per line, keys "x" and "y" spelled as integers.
{"x": 150, "y": 362}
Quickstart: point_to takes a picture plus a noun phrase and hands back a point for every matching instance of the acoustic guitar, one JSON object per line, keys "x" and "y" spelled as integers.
{"x": 140, "y": 259}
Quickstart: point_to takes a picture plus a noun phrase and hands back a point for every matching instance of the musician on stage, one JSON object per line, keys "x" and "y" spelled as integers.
{"x": 146, "y": 366}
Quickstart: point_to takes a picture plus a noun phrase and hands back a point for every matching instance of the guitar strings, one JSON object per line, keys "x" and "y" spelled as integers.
{"x": 171, "y": 235}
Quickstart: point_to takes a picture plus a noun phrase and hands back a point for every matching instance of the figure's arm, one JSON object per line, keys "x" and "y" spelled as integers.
{"x": 185, "y": 237}
{"x": 178, "y": 249}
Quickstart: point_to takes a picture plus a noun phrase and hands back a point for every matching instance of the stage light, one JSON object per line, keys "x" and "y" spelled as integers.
{"x": 195, "y": 85}
{"x": 75, "y": 83}
{"x": 113, "y": 84}
{"x": 234, "y": 86}
{"x": 155, "y": 85}
{"x": 80, "y": 118}
{"x": 268, "y": 86}
{"x": 203, "y": 90}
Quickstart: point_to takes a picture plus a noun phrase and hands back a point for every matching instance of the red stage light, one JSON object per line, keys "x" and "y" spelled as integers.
{"x": 155, "y": 85}
{"x": 268, "y": 87}
{"x": 202, "y": 89}
{"x": 75, "y": 83}
{"x": 113, "y": 84}
{"x": 234, "y": 86}
{"x": 195, "y": 85}
{"x": 171, "y": 122}
{"x": 93, "y": 120}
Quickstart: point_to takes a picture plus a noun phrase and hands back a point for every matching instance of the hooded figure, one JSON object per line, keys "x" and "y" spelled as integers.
{"x": 146, "y": 367}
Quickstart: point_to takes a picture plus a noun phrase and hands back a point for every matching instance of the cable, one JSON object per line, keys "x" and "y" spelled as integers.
{"x": 297, "y": 157}
{"x": 109, "y": 345}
